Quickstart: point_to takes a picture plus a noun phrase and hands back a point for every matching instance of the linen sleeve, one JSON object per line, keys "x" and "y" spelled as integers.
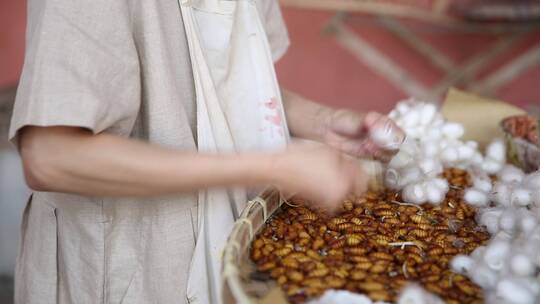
{"x": 275, "y": 27}
{"x": 81, "y": 67}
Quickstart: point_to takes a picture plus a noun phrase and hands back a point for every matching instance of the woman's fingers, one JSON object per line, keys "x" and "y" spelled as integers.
{"x": 361, "y": 180}
{"x": 319, "y": 173}
{"x": 384, "y": 133}
{"x": 347, "y": 123}
{"x": 370, "y": 135}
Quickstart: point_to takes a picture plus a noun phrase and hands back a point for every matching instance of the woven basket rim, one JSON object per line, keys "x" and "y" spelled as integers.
{"x": 265, "y": 204}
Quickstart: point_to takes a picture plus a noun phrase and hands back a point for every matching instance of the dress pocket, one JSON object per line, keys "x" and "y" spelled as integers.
{"x": 37, "y": 264}
{"x": 159, "y": 264}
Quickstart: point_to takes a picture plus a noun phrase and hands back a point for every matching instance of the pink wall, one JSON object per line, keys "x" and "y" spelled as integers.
{"x": 12, "y": 27}
{"x": 316, "y": 66}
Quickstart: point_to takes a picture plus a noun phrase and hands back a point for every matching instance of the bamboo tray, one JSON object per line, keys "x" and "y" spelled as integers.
{"x": 237, "y": 286}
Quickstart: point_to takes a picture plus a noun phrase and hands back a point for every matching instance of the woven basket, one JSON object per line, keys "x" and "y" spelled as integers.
{"x": 238, "y": 287}
{"x": 238, "y": 270}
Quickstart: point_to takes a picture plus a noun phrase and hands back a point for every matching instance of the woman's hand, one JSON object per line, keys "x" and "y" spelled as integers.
{"x": 357, "y": 134}
{"x": 318, "y": 173}
{"x": 362, "y": 135}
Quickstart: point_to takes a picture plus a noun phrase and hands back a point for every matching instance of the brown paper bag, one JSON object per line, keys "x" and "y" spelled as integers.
{"x": 479, "y": 115}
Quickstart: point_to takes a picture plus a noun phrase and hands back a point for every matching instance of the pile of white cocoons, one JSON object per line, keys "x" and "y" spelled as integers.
{"x": 507, "y": 268}
{"x": 333, "y": 296}
{"x": 431, "y": 144}
{"x": 414, "y": 294}
{"x": 411, "y": 294}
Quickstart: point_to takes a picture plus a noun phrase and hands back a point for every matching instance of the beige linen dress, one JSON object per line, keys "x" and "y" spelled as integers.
{"x": 120, "y": 67}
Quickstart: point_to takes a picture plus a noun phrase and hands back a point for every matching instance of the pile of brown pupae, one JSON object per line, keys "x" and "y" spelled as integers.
{"x": 375, "y": 246}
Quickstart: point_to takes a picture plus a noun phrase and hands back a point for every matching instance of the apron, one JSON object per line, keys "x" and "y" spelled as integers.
{"x": 239, "y": 109}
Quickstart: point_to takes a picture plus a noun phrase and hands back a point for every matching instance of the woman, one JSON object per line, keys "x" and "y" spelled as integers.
{"x": 137, "y": 123}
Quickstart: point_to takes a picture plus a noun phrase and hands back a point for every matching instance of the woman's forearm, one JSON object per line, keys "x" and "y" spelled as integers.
{"x": 75, "y": 161}
{"x": 305, "y": 118}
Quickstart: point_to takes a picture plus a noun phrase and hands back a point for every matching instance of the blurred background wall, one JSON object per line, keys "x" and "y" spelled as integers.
{"x": 12, "y": 27}
{"x": 13, "y": 191}
{"x": 339, "y": 56}
{"x": 330, "y": 67}
{"x": 319, "y": 66}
